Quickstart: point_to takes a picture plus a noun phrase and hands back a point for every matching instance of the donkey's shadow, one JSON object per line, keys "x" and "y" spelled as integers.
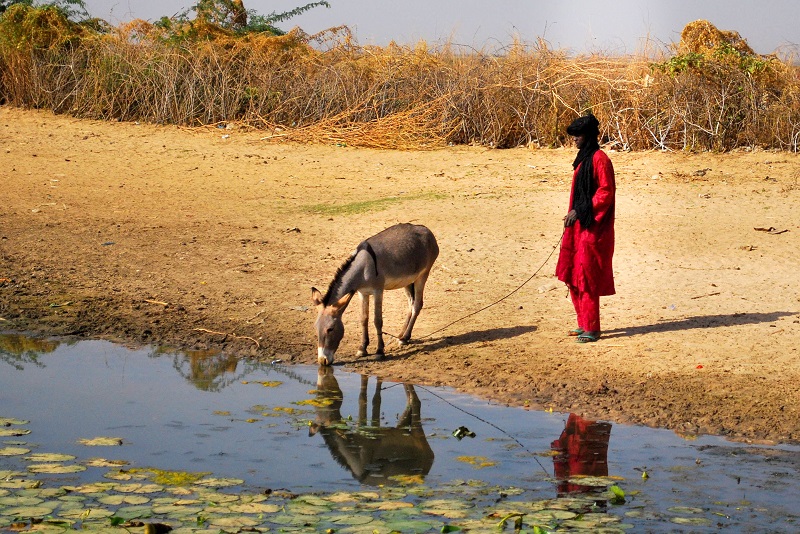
{"x": 477, "y": 336}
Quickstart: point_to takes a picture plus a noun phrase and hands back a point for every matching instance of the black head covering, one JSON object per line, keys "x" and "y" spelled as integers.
{"x": 585, "y": 184}
{"x": 587, "y": 125}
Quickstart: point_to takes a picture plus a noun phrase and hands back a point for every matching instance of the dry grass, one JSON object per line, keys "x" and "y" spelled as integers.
{"x": 713, "y": 94}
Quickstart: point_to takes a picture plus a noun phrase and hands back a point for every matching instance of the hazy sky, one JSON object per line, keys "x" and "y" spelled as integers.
{"x": 611, "y": 26}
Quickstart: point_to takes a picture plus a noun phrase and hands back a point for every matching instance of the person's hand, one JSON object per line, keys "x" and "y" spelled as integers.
{"x": 570, "y": 218}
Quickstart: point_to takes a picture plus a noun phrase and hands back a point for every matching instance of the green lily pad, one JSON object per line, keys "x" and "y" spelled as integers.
{"x": 16, "y": 500}
{"x": 55, "y": 469}
{"x": 134, "y": 512}
{"x": 116, "y": 500}
{"x": 255, "y": 508}
{"x": 351, "y": 519}
{"x": 19, "y": 484}
{"x": 14, "y": 432}
{"x": 94, "y": 487}
{"x": 102, "y": 462}
{"x": 101, "y": 442}
{"x": 49, "y": 457}
{"x": 138, "y": 488}
{"x": 13, "y": 451}
{"x": 685, "y": 510}
{"x": 411, "y": 525}
{"x": 235, "y": 522}
{"x": 313, "y": 500}
{"x": 594, "y": 482}
{"x": 544, "y": 516}
{"x": 177, "y": 510}
{"x": 292, "y": 520}
{"x": 28, "y": 511}
{"x": 219, "y": 482}
{"x": 696, "y": 521}
{"x": 86, "y": 513}
{"x": 218, "y": 498}
{"x": 7, "y": 421}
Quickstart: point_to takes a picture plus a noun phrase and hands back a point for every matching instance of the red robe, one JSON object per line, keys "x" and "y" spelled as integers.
{"x": 584, "y": 261}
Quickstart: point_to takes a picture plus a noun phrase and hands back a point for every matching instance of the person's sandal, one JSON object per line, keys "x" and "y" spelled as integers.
{"x": 576, "y": 332}
{"x": 588, "y": 337}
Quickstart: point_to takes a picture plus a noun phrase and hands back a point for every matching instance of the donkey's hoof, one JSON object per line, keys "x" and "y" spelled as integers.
{"x": 380, "y": 356}
{"x": 361, "y": 353}
{"x": 401, "y": 341}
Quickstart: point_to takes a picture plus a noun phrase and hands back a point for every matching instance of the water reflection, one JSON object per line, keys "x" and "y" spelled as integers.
{"x": 17, "y": 350}
{"x": 207, "y": 370}
{"x": 581, "y": 450}
{"x": 371, "y": 453}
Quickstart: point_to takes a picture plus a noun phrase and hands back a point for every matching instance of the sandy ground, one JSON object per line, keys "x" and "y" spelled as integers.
{"x": 212, "y": 239}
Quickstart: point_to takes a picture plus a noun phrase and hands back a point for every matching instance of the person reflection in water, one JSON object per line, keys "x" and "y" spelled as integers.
{"x": 373, "y": 454}
{"x": 582, "y": 449}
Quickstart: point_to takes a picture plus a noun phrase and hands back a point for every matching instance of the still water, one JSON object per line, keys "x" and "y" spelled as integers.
{"x": 303, "y": 429}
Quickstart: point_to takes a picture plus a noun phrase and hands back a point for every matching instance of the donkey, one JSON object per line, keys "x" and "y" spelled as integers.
{"x": 400, "y": 256}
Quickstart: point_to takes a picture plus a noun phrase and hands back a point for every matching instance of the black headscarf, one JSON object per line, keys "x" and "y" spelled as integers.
{"x": 585, "y": 185}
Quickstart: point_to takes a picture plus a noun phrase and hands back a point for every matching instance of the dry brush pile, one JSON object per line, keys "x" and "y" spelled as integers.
{"x": 713, "y": 93}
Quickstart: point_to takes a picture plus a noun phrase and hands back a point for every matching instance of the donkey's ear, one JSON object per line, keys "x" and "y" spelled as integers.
{"x": 342, "y": 303}
{"x": 316, "y": 297}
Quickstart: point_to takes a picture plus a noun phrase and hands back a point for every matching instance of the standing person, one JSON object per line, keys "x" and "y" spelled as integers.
{"x": 584, "y": 262}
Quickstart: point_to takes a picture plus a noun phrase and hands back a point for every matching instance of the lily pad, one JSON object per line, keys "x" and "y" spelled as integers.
{"x": 102, "y": 462}
{"x": 8, "y": 421}
{"x": 13, "y": 451}
{"x": 255, "y": 508}
{"x": 351, "y": 519}
{"x": 43, "y": 457}
{"x": 594, "y": 482}
{"x": 177, "y": 510}
{"x": 236, "y": 522}
{"x": 138, "y": 488}
{"x": 56, "y": 469}
{"x": 94, "y": 487}
{"x": 16, "y": 500}
{"x": 685, "y": 510}
{"x": 86, "y": 513}
{"x": 219, "y": 482}
{"x": 14, "y": 432}
{"x": 116, "y": 500}
{"x": 696, "y": 521}
{"x": 410, "y": 525}
{"x": 134, "y": 512}
{"x": 28, "y": 511}
{"x": 101, "y": 442}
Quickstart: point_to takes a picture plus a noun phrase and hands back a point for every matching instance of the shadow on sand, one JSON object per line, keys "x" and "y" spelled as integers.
{"x": 431, "y": 344}
{"x": 699, "y": 321}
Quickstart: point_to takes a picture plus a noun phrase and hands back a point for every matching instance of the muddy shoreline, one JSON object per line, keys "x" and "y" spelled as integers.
{"x": 159, "y": 235}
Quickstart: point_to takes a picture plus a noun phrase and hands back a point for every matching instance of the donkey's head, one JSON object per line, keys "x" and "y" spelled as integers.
{"x": 330, "y": 329}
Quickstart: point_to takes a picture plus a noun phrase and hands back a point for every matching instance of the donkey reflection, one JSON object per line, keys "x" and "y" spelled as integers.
{"x": 373, "y": 454}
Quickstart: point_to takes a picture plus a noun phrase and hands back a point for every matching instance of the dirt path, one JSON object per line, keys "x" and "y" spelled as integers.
{"x": 212, "y": 238}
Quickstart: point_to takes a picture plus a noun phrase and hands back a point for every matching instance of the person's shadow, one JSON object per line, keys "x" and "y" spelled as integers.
{"x": 698, "y": 321}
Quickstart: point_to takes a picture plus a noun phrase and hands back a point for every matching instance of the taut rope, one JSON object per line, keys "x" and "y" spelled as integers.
{"x": 498, "y": 300}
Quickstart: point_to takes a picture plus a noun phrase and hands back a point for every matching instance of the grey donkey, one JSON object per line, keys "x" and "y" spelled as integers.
{"x": 400, "y": 256}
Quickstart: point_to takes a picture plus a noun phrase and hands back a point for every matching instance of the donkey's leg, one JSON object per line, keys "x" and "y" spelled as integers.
{"x": 364, "y": 325}
{"x": 376, "y": 404}
{"x": 362, "y": 401}
{"x": 378, "y": 311}
{"x": 419, "y": 290}
{"x": 409, "y": 289}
